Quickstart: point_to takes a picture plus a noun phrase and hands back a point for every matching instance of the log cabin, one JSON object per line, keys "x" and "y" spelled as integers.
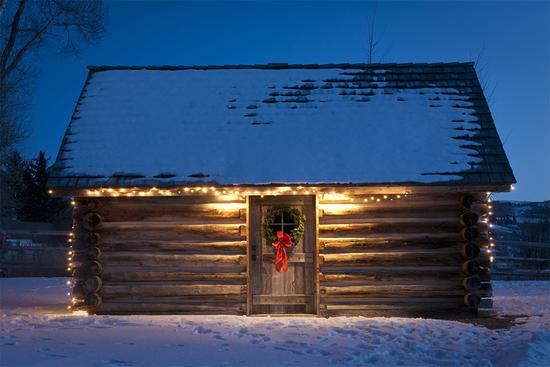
{"x": 338, "y": 189}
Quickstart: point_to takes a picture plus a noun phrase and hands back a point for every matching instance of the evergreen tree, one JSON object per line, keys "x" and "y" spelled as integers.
{"x": 36, "y": 205}
{"x": 11, "y": 185}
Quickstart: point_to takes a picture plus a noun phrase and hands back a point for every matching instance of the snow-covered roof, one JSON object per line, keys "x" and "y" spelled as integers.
{"x": 279, "y": 123}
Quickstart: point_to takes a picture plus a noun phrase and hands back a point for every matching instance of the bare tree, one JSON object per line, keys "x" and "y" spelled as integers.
{"x": 26, "y": 26}
{"x": 372, "y": 42}
{"x": 374, "y": 39}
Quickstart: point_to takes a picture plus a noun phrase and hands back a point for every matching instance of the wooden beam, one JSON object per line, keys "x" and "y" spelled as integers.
{"x": 373, "y": 189}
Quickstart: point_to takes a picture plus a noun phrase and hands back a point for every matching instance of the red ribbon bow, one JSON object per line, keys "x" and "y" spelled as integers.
{"x": 281, "y": 261}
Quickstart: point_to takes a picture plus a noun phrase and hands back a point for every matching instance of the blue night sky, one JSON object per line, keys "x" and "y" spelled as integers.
{"x": 516, "y": 59}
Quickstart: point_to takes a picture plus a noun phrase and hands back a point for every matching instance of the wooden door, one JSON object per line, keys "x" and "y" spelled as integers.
{"x": 291, "y": 292}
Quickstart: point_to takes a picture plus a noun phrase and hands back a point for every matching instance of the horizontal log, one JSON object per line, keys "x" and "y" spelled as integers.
{"x": 365, "y": 229}
{"x": 124, "y": 275}
{"x": 472, "y": 300}
{"x": 164, "y": 230}
{"x": 413, "y": 313}
{"x": 404, "y": 307}
{"x": 382, "y": 244}
{"x": 391, "y": 259}
{"x": 392, "y": 201}
{"x": 427, "y": 237}
{"x": 92, "y": 267}
{"x": 422, "y": 221}
{"x": 215, "y": 247}
{"x": 172, "y": 210}
{"x": 392, "y": 239}
{"x": 469, "y": 250}
{"x": 471, "y": 267}
{"x": 471, "y": 284}
{"x": 469, "y": 218}
{"x": 191, "y": 268}
{"x": 93, "y": 300}
{"x": 378, "y": 278}
{"x": 137, "y": 202}
{"x": 390, "y": 291}
{"x": 89, "y": 253}
{"x": 183, "y": 260}
{"x": 168, "y": 289}
{"x": 89, "y": 205}
{"x": 177, "y": 297}
{"x": 403, "y": 210}
{"x": 268, "y": 299}
{"x": 398, "y": 269}
{"x": 78, "y": 291}
{"x": 384, "y": 301}
{"x": 90, "y": 221}
{"x": 141, "y": 307}
{"x": 91, "y": 284}
{"x": 170, "y": 219}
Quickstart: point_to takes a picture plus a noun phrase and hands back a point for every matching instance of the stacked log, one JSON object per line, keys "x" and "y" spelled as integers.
{"x": 394, "y": 255}
{"x": 476, "y": 266}
{"x": 87, "y": 272}
{"x": 156, "y": 255}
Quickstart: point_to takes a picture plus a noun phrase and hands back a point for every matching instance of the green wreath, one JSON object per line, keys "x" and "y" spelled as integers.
{"x": 274, "y": 213}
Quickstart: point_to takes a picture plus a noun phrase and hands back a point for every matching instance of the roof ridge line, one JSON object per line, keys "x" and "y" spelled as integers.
{"x": 279, "y": 65}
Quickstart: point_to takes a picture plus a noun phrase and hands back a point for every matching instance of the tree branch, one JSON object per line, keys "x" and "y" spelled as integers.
{"x": 11, "y": 39}
{"x": 27, "y": 46}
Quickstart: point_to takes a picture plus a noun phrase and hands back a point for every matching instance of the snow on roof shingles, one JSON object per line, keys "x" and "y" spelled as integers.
{"x": 278, "y": 123}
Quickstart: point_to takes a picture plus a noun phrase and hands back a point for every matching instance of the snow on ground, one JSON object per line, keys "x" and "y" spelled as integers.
{"x": 36, "y": 330}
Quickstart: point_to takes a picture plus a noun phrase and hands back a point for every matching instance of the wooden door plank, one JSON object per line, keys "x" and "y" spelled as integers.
{"x": 282, "y": 299}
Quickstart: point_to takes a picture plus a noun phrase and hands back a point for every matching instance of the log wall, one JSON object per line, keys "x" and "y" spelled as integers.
{"x": 412, "y": 255}
{"x": 159, "y": 255}
{"x": 399, "y": 255}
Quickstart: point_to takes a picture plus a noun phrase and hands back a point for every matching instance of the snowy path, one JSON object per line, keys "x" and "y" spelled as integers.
{"x": 36, "y": 331}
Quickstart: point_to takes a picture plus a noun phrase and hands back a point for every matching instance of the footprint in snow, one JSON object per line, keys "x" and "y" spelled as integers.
{"x": 115, "y": 363}
{"x": 57, "y": 355}
{"x": 289, "y": 350}
{"x": 201, "y": 330}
